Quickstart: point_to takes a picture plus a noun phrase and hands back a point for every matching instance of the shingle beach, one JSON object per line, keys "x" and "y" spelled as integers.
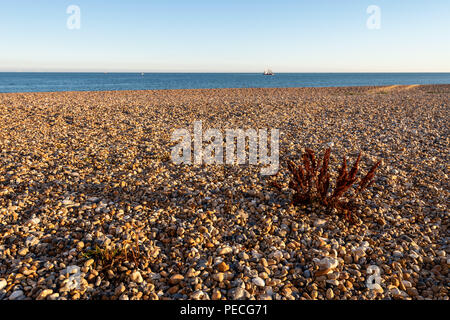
{"x": 84, "y": 175}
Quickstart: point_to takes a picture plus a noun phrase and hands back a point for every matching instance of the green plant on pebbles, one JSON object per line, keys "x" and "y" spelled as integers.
{"x": 109, "y": 257}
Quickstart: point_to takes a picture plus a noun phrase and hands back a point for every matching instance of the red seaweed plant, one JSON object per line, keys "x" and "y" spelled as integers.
{"x": 310, "y": 181}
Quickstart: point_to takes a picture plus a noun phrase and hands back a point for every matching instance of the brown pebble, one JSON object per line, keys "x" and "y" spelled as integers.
{"x": 222, "y": 267}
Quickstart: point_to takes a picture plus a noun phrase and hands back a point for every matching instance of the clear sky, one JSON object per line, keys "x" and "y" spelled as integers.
{"x": 225, "y": 36}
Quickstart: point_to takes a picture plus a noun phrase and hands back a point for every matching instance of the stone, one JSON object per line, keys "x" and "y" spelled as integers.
{"x": 222, "y": 267}
{"x": 191, "y": 273}
{"x": 154, "y": 276}
{"x": 219, "y": 277}
{"x": 53, "y": 296}
{"x": 176, "y": 278}
{"x": 359, "y": 253}
{"x": 216, "y": 295}
{"x": 330, "y": 294}
{"x": 412, "y": 292}
{"x": 406, "y": 284}
{"x": 326, "y": 263}
{"x": 348, "y": 259}
{"x": 23, "y": 252}
{"x": 136, "y": 277}
{"x": 80, "y": 245}
{"x": 258, "y": 282}
{"x": 397, "y": 293}
{"x": 333, "y": 282}
{"x": 120, "y": 289}
{"x": 441, "y": 253}
{"x": 320, "y": 223}
{"x": 224, "y": 251}
{"x": 286, "y": 291}
{"x": 67, "y": 202}
{"x": 277, "y": 255}
{"x": 31, "y": 241}
{"x": 236, "y": 293}
{"x": 198, "y": 295}
{"x": 33, "y": 221}
{"x": 377, "y": 288}
{"x": 243, "y": 255}
{"x": 16, "y": 295}
{"x": 3, "y": 284}
{"x": 174, "y": 289}
{"x": 198, "y": 220}
{"x": 44, "y": 293}
{"x": 88, "y": 263}
{"x": 73, "y": 269}
{"x": 323, "y": 272}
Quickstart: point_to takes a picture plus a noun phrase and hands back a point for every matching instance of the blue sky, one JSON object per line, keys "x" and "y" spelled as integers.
{"x": 225, "y": 36}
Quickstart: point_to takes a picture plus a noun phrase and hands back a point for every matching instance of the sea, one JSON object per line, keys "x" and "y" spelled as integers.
{"x": 58, "y": 81}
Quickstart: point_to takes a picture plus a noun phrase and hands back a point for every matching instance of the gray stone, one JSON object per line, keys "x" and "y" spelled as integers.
{"x": 17, "y": 295}
{"x": 236, "y": 293}
{"x": 258, "y": 282}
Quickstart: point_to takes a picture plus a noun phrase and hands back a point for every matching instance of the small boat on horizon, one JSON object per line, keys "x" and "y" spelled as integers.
{"x": 268, "y": 72}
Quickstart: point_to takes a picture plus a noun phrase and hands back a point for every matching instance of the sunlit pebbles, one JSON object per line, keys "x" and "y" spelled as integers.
{"x": 87, "y": 170}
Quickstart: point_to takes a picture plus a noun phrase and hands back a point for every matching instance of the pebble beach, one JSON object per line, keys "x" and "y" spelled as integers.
{"x": 92, "y": 207}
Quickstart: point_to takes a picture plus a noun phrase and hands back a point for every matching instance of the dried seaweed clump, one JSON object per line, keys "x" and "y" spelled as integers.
{"x": 310, "y": 181}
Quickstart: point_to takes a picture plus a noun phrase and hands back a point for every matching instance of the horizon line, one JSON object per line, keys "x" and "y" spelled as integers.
{"x": 224, "y": 72}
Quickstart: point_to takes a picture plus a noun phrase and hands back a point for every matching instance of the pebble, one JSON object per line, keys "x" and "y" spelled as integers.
{"x": 120, "y": 289}
{"x": 236, "y": 293}
{"x": 198, "y": 295}
{"x": 377, "y": 288}
{"x": 219, "y": 277}
{"x": 397, "y": 293}
{"x": 333, "y": 282}
{"x": 223, "y": 267}
{"x": 72, "y": 269}
{"x": 23, "y": 252}
{"x": 3, "y": 284}
{"x": 16, "y": 295}
{"x": 216, "y": 295}
{"x": 328, "y": 263}
{"x": 277, "y": 255}
{"x": 88, "y": 263}
{"x": 258, "y": 282}
{"x": 137, "y": 277}
{"x": 99, "y": 183}
{"x": 359, "y": 253}
{"x": 176, "y": 278}
{"x": 330, "y": 294}
{"x": 225, "y": 250}
{"x": 44, "y": 293}
{"x": 320, "y": 223}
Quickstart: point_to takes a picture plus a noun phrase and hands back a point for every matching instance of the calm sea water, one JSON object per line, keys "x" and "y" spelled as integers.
{"x": 43, "y": 82}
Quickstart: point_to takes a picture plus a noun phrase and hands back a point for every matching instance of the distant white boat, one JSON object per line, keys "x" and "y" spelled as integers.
{"x": 268, "y": 72}
{"x": 142, "y": 74}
